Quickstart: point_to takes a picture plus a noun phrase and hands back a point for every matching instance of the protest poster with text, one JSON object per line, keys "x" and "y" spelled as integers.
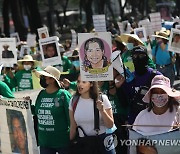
{"x": 16, "y": 127}
{"x": 165, "y": 143}
{"x": 99, "y": 22}
{"x": 95, "y": 56}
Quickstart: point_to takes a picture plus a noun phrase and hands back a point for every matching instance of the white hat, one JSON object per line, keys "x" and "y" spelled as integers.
{"x": 52, "y": 72}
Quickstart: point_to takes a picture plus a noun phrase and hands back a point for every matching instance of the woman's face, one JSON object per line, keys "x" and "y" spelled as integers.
{"x": 94, "y": 53}
{"x": 83, "y": 86}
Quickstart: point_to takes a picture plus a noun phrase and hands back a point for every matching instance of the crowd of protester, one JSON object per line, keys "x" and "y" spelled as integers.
{"x": 120, "y": 97}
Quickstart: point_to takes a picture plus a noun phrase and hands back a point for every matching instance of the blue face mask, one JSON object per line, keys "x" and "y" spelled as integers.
{"x": 76, "y": 63}
{"x": 130, "y": 46}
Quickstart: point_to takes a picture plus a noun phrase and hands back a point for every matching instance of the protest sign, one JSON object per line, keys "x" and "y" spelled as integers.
{"x": 43, "y": 32}
{"x": 16, "y": 127}
{"x": 8, "y": 51}
{"x": 141, "y": 33}
{"x": 16, "y": 36}
{"x": 95, "y": 56}
{"x": 99, "y": 23}
{"x": 166, "y": 143}
{"x": 124, "y": 27}
{"x": 155, "y": 21}
{"x": 74, "y": 40}
{"x": 31, "y": 40}
{"x": 147, "y": 24}
{"x": 25, "y": 50}
{"x": 50, "y": 51}
{"x": 174, "y": 40}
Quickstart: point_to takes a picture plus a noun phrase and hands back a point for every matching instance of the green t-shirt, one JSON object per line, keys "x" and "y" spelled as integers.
{"x": 5, "y": 90}
{"x": 114, "y": 100}
{"x": 22, "y": 80}
{"x": 53, "y": 118}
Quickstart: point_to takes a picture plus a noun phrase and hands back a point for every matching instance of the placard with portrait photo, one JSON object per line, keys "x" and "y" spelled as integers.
{"x": 95, "y": 56}
{"x": 141, "y": 33}
{"x": 17, "y": 129}
{"x": 50, "y": 51}
{"x": 16, "y": 36}
{"x": 25, "y": 50}
{"x": 8, "y": 53}
{"x": 43, "y": 32}
{"x": 174, "y": 40}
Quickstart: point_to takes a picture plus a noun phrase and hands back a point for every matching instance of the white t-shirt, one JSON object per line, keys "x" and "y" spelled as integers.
{"x": 149, "y": 118}
{"x": 84, "y": 115}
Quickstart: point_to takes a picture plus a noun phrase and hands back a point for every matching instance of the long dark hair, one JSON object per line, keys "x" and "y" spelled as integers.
{"x": 171, "y": 102}
{"x": 93, "y": 91}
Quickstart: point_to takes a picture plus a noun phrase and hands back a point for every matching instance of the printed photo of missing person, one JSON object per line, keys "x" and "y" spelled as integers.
{"x": 49, "y": 50}
{"x": 6, "y": 53}
{"x": 17, "y": 132}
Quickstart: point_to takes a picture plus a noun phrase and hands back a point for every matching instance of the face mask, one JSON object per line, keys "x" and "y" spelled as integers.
{"x": 130, "y": 46}
{"x": 27, "y": 67}
{"x": 159, "y": 100}
{"x": 43, "y": 82}
{"x": 76, "y": 63}
{"x": 140, "y": 65}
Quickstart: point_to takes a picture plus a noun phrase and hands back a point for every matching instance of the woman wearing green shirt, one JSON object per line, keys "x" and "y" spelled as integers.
{"x": 51, "y": 109}
{"x": 23, "y": 79}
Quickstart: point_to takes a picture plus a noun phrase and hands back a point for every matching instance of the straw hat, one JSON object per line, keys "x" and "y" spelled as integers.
{"x": 125, "y": 37}
{"x": 163, "y": 33}
{"x": 162, "y": 82}
{"x": 27, "y": 58}
{"x": 118, "y": 38}
{"x": 52, "y": 72}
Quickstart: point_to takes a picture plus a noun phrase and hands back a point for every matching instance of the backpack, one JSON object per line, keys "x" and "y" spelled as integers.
{"x": 136, "y": 103}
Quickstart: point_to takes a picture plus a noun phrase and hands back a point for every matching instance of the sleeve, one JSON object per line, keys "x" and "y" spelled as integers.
{"x": 5, "y": 90}
{"x": 70, "y": 104}
{"x": 66, "y": 104}
{"x": 73, "y": 85}
{"x": 153, "y": 51}
{"x": 151, "y": 63}
{"x": 106, "y": 102}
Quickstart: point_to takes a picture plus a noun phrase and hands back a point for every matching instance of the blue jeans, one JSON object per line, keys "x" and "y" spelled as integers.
{"x": 45, "y": 150}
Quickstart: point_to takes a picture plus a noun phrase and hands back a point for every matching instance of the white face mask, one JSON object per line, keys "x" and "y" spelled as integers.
{"x": 159, "y": 100}
{"x": 27, "y": 67}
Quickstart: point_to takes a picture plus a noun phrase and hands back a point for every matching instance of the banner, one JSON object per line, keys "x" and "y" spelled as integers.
{"x": 16, "y": 127}
{"x": 165, "y": 143}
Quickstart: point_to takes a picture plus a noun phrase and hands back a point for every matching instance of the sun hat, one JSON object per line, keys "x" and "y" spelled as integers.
{"x": 52, "y": 72}
{"x": 162, "y": 82}
{"x": 163, "y": 33}
{"x": 118, "y": 39}
{"x": 125, "y": 37}
{"x": 28, "y": 58}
